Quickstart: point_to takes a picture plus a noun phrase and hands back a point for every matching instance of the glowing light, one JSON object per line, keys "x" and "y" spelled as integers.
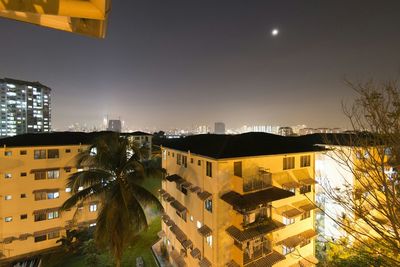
{"x": 274, "y": 32}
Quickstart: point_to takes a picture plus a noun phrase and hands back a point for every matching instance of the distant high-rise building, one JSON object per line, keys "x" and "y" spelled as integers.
{"x": 285, "y": 131}
{"x": 219, "y": 128}
{"x": 25, "y": 107}
{"x": 114, "y": 126}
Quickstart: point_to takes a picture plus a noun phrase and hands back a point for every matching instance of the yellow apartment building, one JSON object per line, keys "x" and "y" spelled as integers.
{"x": 33, "y": 172}
{"x": 239, "y": 200}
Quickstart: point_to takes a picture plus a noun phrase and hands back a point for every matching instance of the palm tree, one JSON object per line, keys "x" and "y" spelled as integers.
{"x": 113, "y": 174}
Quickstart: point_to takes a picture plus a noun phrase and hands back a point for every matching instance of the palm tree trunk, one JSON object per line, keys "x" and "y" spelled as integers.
{"x": 117, "y": 262}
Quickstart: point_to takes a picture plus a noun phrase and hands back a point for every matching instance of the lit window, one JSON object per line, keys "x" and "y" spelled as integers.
{"x": 8, "y": 219}
{"x": 198, "y": 224}
{"x": 80, "y": 188}
{"x": 8, "y": 197}
{"x": 93, "y": 207}
{"x": 8, "y": 153}
{"x": 286, "y": 250}
{"x": 209, "y": 240}
{"x": 53, "y": 174}
{"x": 92, "y": 224}
{"x": 68, "y": 189}
{"x": 208, "y": 204}
{"x": 7, "y": 175}
{"x": 53, "y": 195}
{"x": 287, "y": 221}
{"x": 52, "y": 215}
{"x": 191, "y": 218}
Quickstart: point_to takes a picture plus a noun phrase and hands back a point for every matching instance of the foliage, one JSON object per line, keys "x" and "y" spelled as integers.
{"x": 371, "y": 199}
{"x": 114, "y": 174}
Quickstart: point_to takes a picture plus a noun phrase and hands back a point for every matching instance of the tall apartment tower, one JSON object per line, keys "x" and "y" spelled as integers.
{"x": 219, "y": 128}
{"x": 25, "y": 107}
{"x": 239, "y": 200}
{"x": 114, "y": 126}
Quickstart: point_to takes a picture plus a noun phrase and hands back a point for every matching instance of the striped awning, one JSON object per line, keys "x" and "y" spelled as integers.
{"x": 232, "y": 263}
{"x": 195, "y": 253}
{"x": 205, "y": 263}
{"x": 178, "y": 206}
{"x": 305, "y": 205}
{"x": 180, "y": 181}
{"x": 195, "y": 189}
{"x": 46, "y": 210}
{"x": 268, "y": 260}
{"x": 291, "y": 242}
{"x": 308, "y": 261}
{"x": 205, "y": 230}
{"x": 291, "y": 184}
{"x": 307, "y": 181}
{"x": 308, "y": 234}
{"x": 173, "y": 178}
{"x": 288, "y": 211}
{"x": 204, "y": 195}
{"x": 187, "y": 244}
{"x": 179, "y": 234}
{"x": 47, "y": 231}
{"x": 187, "y": 185}
{"x": 254, "y": 232}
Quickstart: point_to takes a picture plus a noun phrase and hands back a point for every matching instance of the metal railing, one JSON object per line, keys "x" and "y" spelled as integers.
{"x": 254, "y": 253}
{"x": 258, "y": 182}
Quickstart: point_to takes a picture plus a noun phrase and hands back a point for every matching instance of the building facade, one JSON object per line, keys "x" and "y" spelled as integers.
{"x": 243, "y": 200}
{"x": 219, "y": 128}
{"x": 25, "y": 107}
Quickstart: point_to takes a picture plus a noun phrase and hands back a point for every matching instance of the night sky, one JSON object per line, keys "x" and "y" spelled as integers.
{"x": 178, "y": 63}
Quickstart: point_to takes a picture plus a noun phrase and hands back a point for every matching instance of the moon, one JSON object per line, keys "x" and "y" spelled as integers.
{"x": 274, "y": 32}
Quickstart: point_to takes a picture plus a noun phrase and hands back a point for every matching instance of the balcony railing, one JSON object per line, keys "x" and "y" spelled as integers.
{"x": 256, "y": 252}
{"x": 257, "y": 182}
{"x": 259, "y": 221}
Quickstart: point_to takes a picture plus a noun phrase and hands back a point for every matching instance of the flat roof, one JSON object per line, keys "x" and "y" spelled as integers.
{"x": 21, "y": 82}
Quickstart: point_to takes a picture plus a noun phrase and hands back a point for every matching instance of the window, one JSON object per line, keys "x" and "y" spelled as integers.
{"x": 23, "y": 174}
{"x": 39, "y": 154}
{"x": 53, "y": 235}
{"x": 53, "y": 174}
{"x": 8, "y": 219}
{"x": 52, "y": 215}
{"x": 40, "y": 238}
{"x": 306, "y": 215}
{"x": 191, "y": 218}
{"x": 209, "y": 240}
{"x": 23, "y": 195}
{"x": 191, "y": 160}
{"x": 40, "y": 217}
{"x": 7, "y": 197}
{"x": 305, "y": 161}
{"x": 208, "y": 204}
{"x": 237, "y": 168}
{"x": 40, "y": 175}
{"x": 209, "y": 169}
{"x": 184, "y": 161}
{"x": 7, "y": 175}
{"x": 8, "y": 153}
{"x": 93, "y": 207}
{"x": 178, "y": 159}
{"x": 22, "y": 152}
{"x": 173, "y": 154}
{"x": 68, "y": 189}
{"x": 305, "y": 189}
{"x": 24, "y": 216}
{"x": 53, "y": 154}
{"x": 198, "y": 224}
{"x": 53, "y": 195}
{"x": 198, "y": 162}
{"x": 286, "y": 250}
{"x": 288, "y": 163}
{"x": 67, "y": 150}
{"x": 40, "y": 195}
{"x": 169, "y": 153}
{"x": 287, "y": 221}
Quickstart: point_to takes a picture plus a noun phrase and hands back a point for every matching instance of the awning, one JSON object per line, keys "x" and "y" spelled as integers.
{"x": 8, "y": 240}
{"x": 308, "y": 261}
{"x": 178, "y": 206}
{"x": 187, "y": 244}
{"x": 253, "y": 201}
{"x": 195, "y": 189}
{"x": 295, "y": 240}
{"x": 187, "y": 185}
{"x": 180, "y": 181}
{"x": 305, "y": 205}
{"x": 173, "y": 178}
{"x": 308, "y": 234}
{"x": 24, "y": 236}
{"x": 269, "y": 260}
{"x": 46, "y": 190}
{"x": 47, "y": 231}
{"x": 232, "y": 263}
{"x": 204, "y": 195}
{"x": 179, "y": 234}
{"x": 46, "y": 210}
{"x": 253, "y": 232}
{"x": 291, "y": 184}
{"x": 205, "y": 263}
{"x": 44, "y": 170}
{"x": 288, "y": 211}
{"x": 195, "y": 253}
{"x": 205, "y": 230}
{"x": 307, "y": 181}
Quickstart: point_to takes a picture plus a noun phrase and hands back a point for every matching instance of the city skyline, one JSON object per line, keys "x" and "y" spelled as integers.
{"x": 179, "y": 63}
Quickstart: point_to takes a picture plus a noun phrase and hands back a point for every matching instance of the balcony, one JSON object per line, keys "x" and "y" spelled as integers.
{"x": 256, "y": 251}
{"x": 260, "y": 181}
{"x": 261, "y": 220}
